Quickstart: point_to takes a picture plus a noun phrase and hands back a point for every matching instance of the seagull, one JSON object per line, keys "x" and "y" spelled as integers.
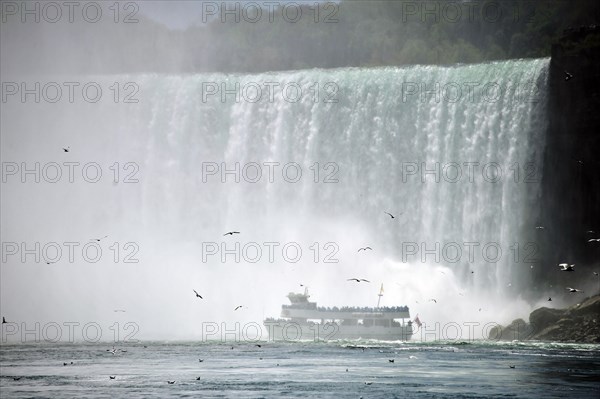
{"x": 49, "y": 263}
{"x": 231, "y": 233}
{"x": 238, "y": 307}
{"x": 565, "y": 267}
{"x": 594, "y": 239}
{"x": 197, "y": 378}
{"x": 432, "y": 300}
{"x": 119, "y": 310}
{"x": 391, "y": 360}
{"x": 112, "y": 377}
{"x": 573, "y": 289}
{"x": 540, "y": 227}
{"x": 66, "y": 149}
{"x": 197, "y": 295}
{"x": 595, "y": 274}
{"x": 358, "y": 280}
{"x": 260, "y": 346}
{"x": 368, "y": 382}
{"x": 512, "y": 366}
{"x": 365, "y": 248}
{"x": 171, "y": 382}
{"x": 200, "y": 360}
{"x": 568, "y": 76}
{"x": 549, "y": 299}
{"x": 590, "y": 231}
{"x": 17, "y": 378}
{"x": 98, "y": 239}
{"x": 392, "y": 216}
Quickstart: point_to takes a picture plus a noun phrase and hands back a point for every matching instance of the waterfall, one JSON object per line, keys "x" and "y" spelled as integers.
{"x": 454, "y": 152}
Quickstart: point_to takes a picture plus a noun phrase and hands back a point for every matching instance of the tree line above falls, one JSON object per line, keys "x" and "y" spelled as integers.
{"x": 358, "y": 34}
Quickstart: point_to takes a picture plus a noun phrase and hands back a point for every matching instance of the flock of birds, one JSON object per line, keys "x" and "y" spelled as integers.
{"x": 566, "y": 267}
{"x": 358, "y": 280}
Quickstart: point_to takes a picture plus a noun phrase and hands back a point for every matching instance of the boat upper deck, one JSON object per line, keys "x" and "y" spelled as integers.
{"x": 345, "y": 312}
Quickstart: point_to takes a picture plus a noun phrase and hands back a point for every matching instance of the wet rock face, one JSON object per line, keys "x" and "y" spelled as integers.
{"x": 545, "y": 316}
{"x": 578, "y": 323}
{"x": 517, "y": 330}
{"x": 570, "y": 203}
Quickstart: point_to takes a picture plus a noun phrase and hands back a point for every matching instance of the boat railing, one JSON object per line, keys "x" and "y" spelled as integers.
{"x": 352, "y": 309}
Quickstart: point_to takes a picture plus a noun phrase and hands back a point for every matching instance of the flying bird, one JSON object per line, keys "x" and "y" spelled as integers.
{"x": 197, "y": 295}
{"x": 549, "y": 299}
{"x": 17, "y": 378}
{"x": 392, "y": 216}
{"x": 112, "y": 377}
{"x": 260, "y": 346}
{"x": 119, "y": 310}
{"x": 237, "y": 307}
{"x": 197, "y": 378}
{"x": 568, "y": 76}
{"x": 391, "y": 360}
{"x": 231, "y": 233}
{"x": 539, "y": 227}
{"x": 432, "y": 300}
{"x": 200, "y": 360}
{"x": 573, "y": 289}
{"x": 98, "y": 239}
{"x": 171, "y": 382}
{"x": 595, "y": 274}
{"x": 365, "y": 248}
{"x": 594, "y": 239}
{"x": 66, "y": 149}
{"x": 565, "y": 267}
{"x": 358, "y": 280}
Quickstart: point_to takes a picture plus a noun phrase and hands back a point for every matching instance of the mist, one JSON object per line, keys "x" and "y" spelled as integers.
{"x": 165, "y": 161}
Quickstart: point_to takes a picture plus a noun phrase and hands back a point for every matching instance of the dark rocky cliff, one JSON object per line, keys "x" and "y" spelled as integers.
{"x": 578, "y": 323}
{"x": 570, "y": 204}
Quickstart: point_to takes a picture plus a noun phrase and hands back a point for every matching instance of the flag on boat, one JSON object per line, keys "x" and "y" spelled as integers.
{"x": 417, "y": 321}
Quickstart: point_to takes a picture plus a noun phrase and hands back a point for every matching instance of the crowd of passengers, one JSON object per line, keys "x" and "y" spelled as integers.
{"x": 357, "y": 309}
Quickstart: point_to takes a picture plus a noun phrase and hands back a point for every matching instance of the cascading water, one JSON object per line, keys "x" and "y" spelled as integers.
{"x": 365, "y": 140}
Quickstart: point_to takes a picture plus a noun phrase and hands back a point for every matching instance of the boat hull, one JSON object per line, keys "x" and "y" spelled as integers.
{"x": 292, "y": 331}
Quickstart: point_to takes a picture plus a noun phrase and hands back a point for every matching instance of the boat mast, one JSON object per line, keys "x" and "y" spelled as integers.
{"x": 380, "y": 295}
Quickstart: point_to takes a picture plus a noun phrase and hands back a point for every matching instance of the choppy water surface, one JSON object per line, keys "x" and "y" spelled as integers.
{"x": 309, "y": 370}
